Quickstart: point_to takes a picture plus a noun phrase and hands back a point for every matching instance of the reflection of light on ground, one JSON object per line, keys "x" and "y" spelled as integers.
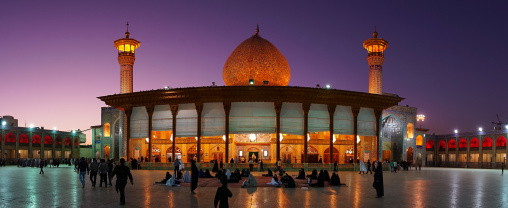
{"x": 418, "y": 198}
{"x": 479, "y": 192}
{"x": 455, "y": 191}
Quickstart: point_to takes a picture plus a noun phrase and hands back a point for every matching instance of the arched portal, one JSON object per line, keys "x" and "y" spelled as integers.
{"x": 36, "y": 140}
{"x": 474, "y": 143}
{"x": 106, "y": 152}
{"x": 10, "y": 138}
{"x": 48, "y": 140}
{"x": 419, "y": 140}
{"x": 326, "y": 155}
{"x": 169, "y": 153}
{"x": 217, "y": 152}
{"x": 392, "y": 138}
{"x": 23, "y": 139}
{"x": 67, "y": 142}
{"x": 462, "y": 144}
{"x": 287, "y": 152}
{"x": 312, "y": 154}
{"x": 442, "y": 145}
{"x": 58, "y": 141}
{"x": 192, "y": 153}
{"x": 156, "y": 154}
{"x": 430, "y": 145}
{"x": 409, "y": 155}
{"x": 487, "y": 143}
{"x": 501, "y": 142}
{"x": 452, "y": 144}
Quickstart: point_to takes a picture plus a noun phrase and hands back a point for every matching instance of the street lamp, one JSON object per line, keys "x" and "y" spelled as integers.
{"x": 456, "y": 131}
{"x": 480, "y": 129}
{"x": 420, "y": 118}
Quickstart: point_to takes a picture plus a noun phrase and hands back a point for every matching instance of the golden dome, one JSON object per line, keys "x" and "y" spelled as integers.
{"x": 259, "y": 60}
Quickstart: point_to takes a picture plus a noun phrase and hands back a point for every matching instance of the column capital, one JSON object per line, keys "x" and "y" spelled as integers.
{"x": 227, "y": 107}
{"x": 150, "y": 109}
{"x": 331, "y": 110}
{"x": 174, "y": 109}
{"x": 278, "y": 107}
{"x": 355, "y": 110}
{"x": 305, "y": 108}
{"x": 199, "y": 108}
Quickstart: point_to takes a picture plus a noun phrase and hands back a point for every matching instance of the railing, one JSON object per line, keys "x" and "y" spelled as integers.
{"x": 272, "y": 166}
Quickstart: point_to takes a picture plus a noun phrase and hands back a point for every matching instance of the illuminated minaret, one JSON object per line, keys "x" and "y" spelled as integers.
{"x": 126, "y": 58}
{"x": 376, "y": 47}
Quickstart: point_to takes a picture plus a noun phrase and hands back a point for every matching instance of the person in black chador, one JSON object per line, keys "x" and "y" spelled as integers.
{"x": 194, "y": 176}
{"x": 41, "y": 164}
{"x": 326, "y": 176}
{"x": 221, "y": 164}
{"x": 313, "y": 175}
{"x": 222, "y": 194}
{"x": 301, "y": 174}
{"x": 207, "y": 174}
{"x": 368, "y": 167}
{"x": 378, "y": 180}
{"x": 215, "y": 166}
{"x": 320, "y": 181}
{"x": 335, "y": 166}
{"x": 269, "y": 174}
{"x": 335, "y": 180}
{"x": 163, "y": 181}
{"x": 122, "y": 172}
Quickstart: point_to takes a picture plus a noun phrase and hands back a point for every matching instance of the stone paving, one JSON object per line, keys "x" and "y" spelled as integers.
{"x": 431, "y": 187}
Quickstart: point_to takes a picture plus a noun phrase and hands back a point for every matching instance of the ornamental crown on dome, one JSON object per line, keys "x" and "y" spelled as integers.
{"x": 257, "y": 60}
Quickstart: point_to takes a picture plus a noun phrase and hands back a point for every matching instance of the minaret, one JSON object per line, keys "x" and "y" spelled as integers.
{"x": 376, "y": 47}
{"x": 126, "y": 58}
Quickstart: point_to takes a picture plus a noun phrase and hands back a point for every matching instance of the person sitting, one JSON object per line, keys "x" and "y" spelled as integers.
{"x": 247, "y": 173}
{"x": 237, "y": 174}
{"x": 173, "y": 182}
{"x": 288, "y": 181}
{"x": 250, "y": 182}
{"x": 275, "y": 181}
{"x": 233, "y": 179}
{"x": 228, "y": 174}
{"x": 186, "y": 177}
{"x": 326, "y": 175}
{"x": 219, "y": 174}
{"x": 201, "y": 173}
{"x": 320, "y": 182}
{"x": 335, "y": 180}
{"x": 301, "y": 174}
{"x": 269, "y": 174}
{"x": 163, "y": 181}
{"x": 207, "y": 174}
{"x": 243, "y": 173}
{"x": 313, "y": 175}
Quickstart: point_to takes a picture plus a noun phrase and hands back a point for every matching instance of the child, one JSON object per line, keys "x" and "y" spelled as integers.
{"x": 222, "y": 194}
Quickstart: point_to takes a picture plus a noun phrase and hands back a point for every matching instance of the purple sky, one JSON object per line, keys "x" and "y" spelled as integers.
{"x": 447, "y": 58}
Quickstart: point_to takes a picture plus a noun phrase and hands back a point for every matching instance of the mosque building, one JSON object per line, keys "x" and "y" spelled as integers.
{"x": 257, "y": 115}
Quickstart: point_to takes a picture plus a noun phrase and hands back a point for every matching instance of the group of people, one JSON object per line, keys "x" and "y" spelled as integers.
{"x": 121, "y": 171}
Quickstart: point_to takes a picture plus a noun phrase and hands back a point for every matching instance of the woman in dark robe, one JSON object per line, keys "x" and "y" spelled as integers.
{"x": 237, "y": 174}
{"x": 222, "y": 195}
{"x": 201, "y": 173}
{"x": 326, "y": 175}
{"x": 335, "y": 180}
{"x": 207, "y": 174}
{"x": 378, "y": 180}
{"x": 163, "y": 181}
{"x": 194, "y": 177}
{"x": 269, "y": 174}
{"x": 320, "y": 182}
{"x": 301, "y": 174}
{"x": 313, "y": 175}
{"x": 215, "y": 166}
{"x": 335, "y": 166}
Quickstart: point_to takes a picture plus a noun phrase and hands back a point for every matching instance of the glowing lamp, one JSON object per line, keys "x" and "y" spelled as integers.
{"x": 4, "y": 123}
{"x": 480, "y": 129}
{"x": 251, "y": 81}
{"x": 456, "y": 131}
{"x": 281, "y": 137}
{"x": 334, "y": 138}
{"x": 196, "y": 138}
{"x": 506, "y": 127}
{"x": 328, "y": 86}
{"x": 308, "y": 136}
{"x": 32, "y": 125}
{"x": 73, "y": 131}
{"x": 240, "y": 153}
{"x": 224, "y": 137}
{"x": 147, "y": 140}
{"x": 54, "y": 128}
{"x": 252, "y": 137}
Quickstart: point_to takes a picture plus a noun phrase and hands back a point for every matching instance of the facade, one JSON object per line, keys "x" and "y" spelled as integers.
{"x": 482, "y": 149}
{"x": 37, "y": 142}
{"x": 256, "y": 115}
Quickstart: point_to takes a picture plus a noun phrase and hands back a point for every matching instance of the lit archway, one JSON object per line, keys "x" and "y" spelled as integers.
{"x": 23, "y": 139}
{"x": 462, "y": 144}
{"x": 429, "y": 144}
{"x": 48, "y": 140}
{"x": 169, "y": 153}
{"x": 312, "y": 154}
{"x": 10, "y": 138}
{"x": 452, "y": 144}
{"x": 36, "y": 140}
{"x": 409, "y": 155}
{"x": 474, "y": 143}
{"x": 410, "y": 130}
{"x": 442, "y": 145}
{"x": 67, "y": 142}
{"x": 419, "y": 140}
{"x": 487, "y": 143}
{"x": 106, "y": 151}
{"x": 326, "y": 155}
{"x": 501, "y": 142}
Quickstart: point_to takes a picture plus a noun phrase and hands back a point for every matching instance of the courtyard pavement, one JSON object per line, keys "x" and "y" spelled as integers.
{"x": 430, "y": 187}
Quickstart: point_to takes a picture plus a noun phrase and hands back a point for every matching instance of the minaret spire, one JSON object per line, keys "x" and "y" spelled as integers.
{"x": 257, "y": 29}
{"x": 127, "y": 33}
{"x": 375, "y": 47}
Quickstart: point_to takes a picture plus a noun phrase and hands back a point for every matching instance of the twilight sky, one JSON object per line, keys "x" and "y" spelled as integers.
{"x": 448, "y": 58}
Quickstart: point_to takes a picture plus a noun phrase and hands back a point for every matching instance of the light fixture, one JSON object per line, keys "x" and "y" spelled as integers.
{"x": 147, "y": 141}
{"x": 4, "y": 123}
{"x": 252, "y": 137}
{"x": 166, "y": 87}
{"x": 456, "y": 131}
{"x": 31, "y": 125}
{"x": 357, "y": 139}
{"x": 241, "y": 153}
{"x": 171, "y": 138}
{"x": 196, "y": 138}
{"x": 308, "y": 136}
{"x": 335, "y": 138}
{"x": 281, "y": 137}
{"x": 265, "y": 153}
{"x": 328, "y": 86}
{"x": 251, "y": 81}
{"x": 506, "y": 127}
{"x": 73, "y": 131}
{"x": 480, "y": 129}
{"x": 224, "y": 137}
{"x": 54, "y": 128}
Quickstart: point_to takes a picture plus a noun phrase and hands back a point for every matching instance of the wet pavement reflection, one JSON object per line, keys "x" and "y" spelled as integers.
{"x": 431, "y": 187}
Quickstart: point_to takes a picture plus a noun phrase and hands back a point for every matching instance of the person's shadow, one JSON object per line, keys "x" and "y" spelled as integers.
{"x": 251, "y": 190}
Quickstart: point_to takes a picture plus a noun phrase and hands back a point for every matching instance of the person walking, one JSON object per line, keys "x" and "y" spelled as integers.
{"x": 194, "y": 176}
{"x": 122, "y": 172}
{"x": 368, "y": 167}
{"x": 103, "y": 173}
{"x": 41, "y": 164}
{"x": 110, "y": 171}
{"x": 83, "y": 169}
{"x": 94, "y": 168}
{"x": 222, "y": 194}
{"x": 378, "y": 181}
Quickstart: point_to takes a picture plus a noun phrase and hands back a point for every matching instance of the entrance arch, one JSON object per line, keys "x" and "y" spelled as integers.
{"x": 409, "y": 155}
{"x": 287, "y": 152}
{"x": 312, "y": 155}
{"x": 218, "y": 153}
{"x": 192, "y": 153}
{"x": 106, "y": 152}
{"x": 392, "y": 137}
{"x": 326, "y": 155}
{"x": 156, "y": 154}
{"x": 169, "y": 153}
